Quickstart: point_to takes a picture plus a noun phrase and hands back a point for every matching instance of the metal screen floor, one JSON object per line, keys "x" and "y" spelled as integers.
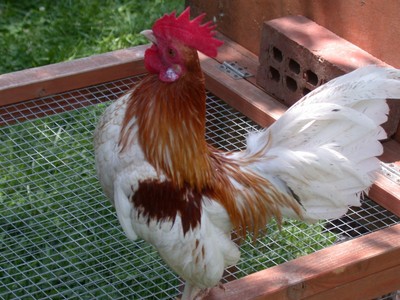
{"x": 60, "y": 238}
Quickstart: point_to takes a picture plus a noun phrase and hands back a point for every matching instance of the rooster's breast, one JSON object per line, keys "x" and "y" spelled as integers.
{"x": 185, "y": 229}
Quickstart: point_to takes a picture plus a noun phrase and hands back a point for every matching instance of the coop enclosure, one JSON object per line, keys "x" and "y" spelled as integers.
{"x": 60, "y": 238}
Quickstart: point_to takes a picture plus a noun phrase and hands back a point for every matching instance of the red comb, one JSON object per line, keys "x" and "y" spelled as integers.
{"x": 190, "y": 32}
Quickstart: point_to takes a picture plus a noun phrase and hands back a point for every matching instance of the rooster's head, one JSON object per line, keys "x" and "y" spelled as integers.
{"x": 175, "y": 44}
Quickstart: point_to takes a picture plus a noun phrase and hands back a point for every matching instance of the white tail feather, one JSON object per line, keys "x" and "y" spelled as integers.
{"x": 324, "y": 147}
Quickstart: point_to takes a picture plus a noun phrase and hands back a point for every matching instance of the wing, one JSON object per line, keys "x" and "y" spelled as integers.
{"x": 324, "y": 147}
{"x": 115, "y": 170}
{"x": 106, "y": 135}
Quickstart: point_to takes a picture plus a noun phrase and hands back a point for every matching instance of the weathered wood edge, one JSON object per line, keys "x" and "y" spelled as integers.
{"x": 242, "y": 95}
{"x": 338, "y": 268}
{"x": 365, "y": 288}
{"x": 386, "y": 193}
{"x": 56, "y": 78}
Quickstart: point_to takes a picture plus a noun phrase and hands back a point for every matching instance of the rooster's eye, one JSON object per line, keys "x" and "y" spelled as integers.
{"x": 171, "y": 52}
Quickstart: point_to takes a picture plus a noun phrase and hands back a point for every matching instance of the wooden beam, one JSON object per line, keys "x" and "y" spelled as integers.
{"x": 231, "y": 51}
{"x": 56, "y": 78}
{"x": 386, "y": 193}
{"x": 391, "y": 153}
{"x": 241, "y": 94}
{"x": 397, "y": 135}
{"x": 332, "y": 272}
{"x": 365, "y": 288}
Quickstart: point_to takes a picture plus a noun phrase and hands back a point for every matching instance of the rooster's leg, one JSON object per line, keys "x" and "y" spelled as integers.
{"x": 190, "y": 292}
{"x": 193, "y": 293}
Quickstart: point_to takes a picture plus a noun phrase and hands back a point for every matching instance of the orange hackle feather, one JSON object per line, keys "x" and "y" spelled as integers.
{"x": 169, "y": 117}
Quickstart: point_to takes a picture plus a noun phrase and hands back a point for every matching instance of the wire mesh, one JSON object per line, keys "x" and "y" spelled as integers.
{"x": 60, "y": 238}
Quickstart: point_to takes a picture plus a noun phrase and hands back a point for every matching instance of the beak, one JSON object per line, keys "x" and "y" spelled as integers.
{"x": 148, "y": 33}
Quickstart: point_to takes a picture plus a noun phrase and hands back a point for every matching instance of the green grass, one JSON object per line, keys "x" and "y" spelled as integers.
{"x": 294, "y": 239}
{"x": 36, "y": 33}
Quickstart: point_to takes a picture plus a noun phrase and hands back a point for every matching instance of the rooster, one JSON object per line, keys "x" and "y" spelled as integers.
{"x": 183, "y": 196}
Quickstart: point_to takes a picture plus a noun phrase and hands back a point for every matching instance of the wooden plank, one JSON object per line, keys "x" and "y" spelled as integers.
{"x": 337, "y": 266}
{"x": 60, "y": 77}
{"x": 391, "y": 152}
{"x": 397, "y": 135}
{"x": 241, "y": 94}
{"x": 231, "y": 51}
{"x": 59, "y": 103}
{"x": 365, "y": 288}
{"x": 386, "y": 193}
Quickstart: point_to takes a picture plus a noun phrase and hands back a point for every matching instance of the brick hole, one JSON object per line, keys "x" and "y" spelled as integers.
{"x": 277, "y": 54}
{"x": 274, "y": 74}
{"x": 291, "y": 83}
{"x": 294, "y": 66}
{"x": 311, "y": 77}
{"x": 305, "y": 91}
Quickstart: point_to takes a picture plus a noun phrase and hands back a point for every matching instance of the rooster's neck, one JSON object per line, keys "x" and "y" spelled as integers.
{"x": 170, "y": 118}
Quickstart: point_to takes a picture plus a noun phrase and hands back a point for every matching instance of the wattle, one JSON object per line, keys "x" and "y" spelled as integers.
{"x": 152, "y": 60}
{"x": 153, "y": 64}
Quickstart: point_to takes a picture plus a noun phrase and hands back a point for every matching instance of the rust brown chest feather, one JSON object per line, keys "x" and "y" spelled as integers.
{"x": 163, "y": 201}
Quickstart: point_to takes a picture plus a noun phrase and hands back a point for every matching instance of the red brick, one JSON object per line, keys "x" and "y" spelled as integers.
{"x": 297, "y": 55}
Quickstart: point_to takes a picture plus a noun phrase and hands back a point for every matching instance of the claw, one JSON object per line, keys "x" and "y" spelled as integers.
{"x": 201, "y": 294}
{"x": 221, "y": 286}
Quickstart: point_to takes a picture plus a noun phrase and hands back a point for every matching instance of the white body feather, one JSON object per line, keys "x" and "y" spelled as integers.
{"x": 323, "y": 150}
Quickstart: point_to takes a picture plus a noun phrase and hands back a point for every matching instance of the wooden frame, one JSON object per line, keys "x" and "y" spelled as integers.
{"x": 364, "y": 267}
